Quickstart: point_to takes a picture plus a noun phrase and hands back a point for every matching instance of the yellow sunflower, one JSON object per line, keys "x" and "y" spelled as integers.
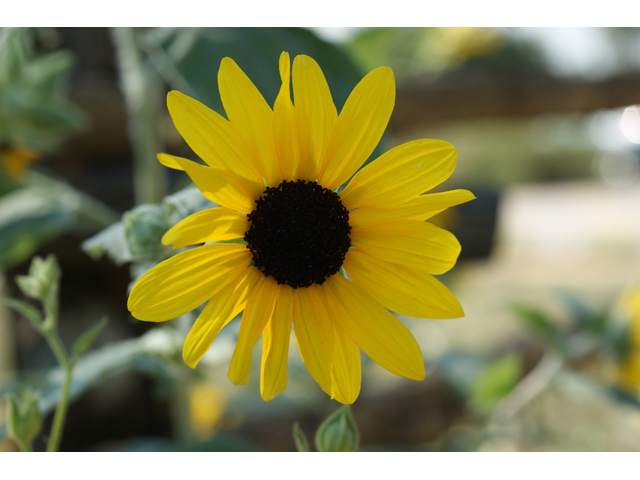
{"x": 330, "y": 264}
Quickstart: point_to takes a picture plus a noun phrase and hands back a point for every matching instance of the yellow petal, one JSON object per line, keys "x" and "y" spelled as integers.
{"x": 257, "y": 313}
{"x": 169, "y": 161}
{"x": 401, "y": 174}
{"x": 315, "y": 113}
{"x": 405, "y": 288}
{"x": 275, "y": 346}
{"x": 409, "y": 242}
{"x": 314, "y": 334}
{"x": 209, "y": 225}
{"x": 345, "y": 368}
{"x": 359, "y": 128}
{"x": 286, "y": 134}
{"x": 220, "y": 310}
{"x": 372, "y": 328}
{"x": 220, "y": 186}
{"x": 251, "y": 117}
{"x": 212, "y": 137}
{"x": 181, "y": 283}
{"x": 420, "y": 208}
{"x": 434, "y": 203}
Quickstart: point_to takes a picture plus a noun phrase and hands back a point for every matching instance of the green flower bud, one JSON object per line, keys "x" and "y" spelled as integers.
{"x": 338, "y": 433}
{"x": 24, "y": 420}
{"x": 144, "y": 227}
{"x": 50, "y": 273}
{"x": 43, "y": 279}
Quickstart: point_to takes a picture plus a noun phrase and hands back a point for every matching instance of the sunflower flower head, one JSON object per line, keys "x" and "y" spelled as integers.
{"x": 332, "y": 265}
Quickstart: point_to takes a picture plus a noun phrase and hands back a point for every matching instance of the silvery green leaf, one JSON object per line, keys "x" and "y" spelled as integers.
{"x": 85, "y": 340}
{"x": 186, "y": 202}
{"x": 110, "y": 241}
{"x": 26, "y": 310}
{"x": 302, "y": 444}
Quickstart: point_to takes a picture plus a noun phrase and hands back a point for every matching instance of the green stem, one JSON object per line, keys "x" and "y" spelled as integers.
{"x": 61, "y": 413}
{"x": 142, "y": 96}
{"x": 63, "y": 403}
{"x": 56, "y": 345}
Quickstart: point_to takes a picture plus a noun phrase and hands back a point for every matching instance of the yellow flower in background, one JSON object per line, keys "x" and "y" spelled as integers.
{"x": 207, "y": 403}
{"x": 274, "y": 172}
{"x": 628, "y": 371}
{"x": 16, "y": 159}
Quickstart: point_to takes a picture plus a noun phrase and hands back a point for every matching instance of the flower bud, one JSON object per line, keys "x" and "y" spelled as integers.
{"x": 24, "y": 420}
{"x": 144, "y": 227}
{"x": 43, "y": 279}
{"x": 338, "y": 433}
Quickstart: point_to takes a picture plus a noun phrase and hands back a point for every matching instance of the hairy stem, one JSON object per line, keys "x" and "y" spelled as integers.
{"x": 63, "y": 403}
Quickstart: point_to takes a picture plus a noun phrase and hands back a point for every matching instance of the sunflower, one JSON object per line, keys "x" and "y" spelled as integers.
{"x": 285, "y": 248}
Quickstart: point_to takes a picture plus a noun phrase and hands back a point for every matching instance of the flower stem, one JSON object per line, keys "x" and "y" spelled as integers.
{"x": 63, "y": 403}
{"x": 61, "y": 413}
{"x": 142, "y": 93}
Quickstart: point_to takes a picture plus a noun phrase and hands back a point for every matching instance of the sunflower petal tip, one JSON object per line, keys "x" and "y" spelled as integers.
{"x": 227, "y": 62}
{"x": 457, "y": 309}
{"x": 346, "y": 401}
{"x": 303, "y": 61}
{"x": 236, "y": 378}
{"x": 173, "y": 97}
{"x": 131, "y": 302}
{"x": 169, "y": 238}
{"x": 190, "y": 362}
{"x": 419, "y": 373}
{"x": 268, "y": 395}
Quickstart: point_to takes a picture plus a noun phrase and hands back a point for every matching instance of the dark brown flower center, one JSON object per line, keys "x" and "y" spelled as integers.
{"x": 298, "y": 233}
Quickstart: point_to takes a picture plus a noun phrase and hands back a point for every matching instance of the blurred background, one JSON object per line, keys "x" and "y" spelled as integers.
{"x": 547, "y": 127}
